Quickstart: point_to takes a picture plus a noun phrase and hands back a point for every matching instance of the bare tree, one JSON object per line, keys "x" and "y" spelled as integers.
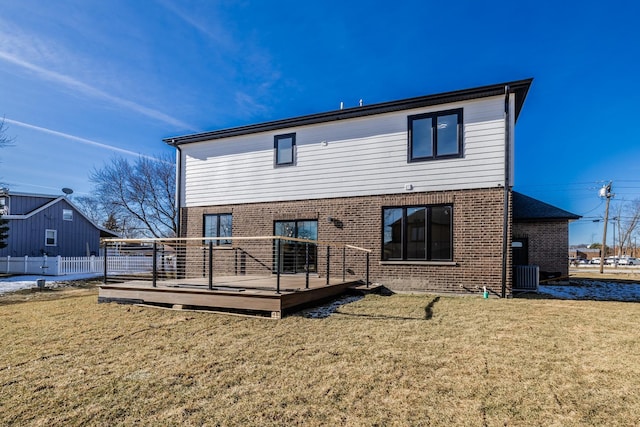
{"x": 4, "y": 224}
{"x": 628, "y": 220}
{"x": 5, "y": 140}
{"x": 136, "y": 199}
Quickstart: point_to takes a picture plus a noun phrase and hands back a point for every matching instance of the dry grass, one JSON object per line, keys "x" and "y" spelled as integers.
{"x": 400, "y": 360}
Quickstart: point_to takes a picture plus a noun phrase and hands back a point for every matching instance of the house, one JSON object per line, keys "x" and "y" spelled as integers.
{"x": 47, "y": 224}
{"x": 425, "y": 183}
{"x": 540, "y": 233}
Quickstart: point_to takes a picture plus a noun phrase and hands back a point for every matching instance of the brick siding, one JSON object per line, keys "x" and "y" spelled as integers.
{"x": 477, "y": 236}
{"x": 548, "y": 244}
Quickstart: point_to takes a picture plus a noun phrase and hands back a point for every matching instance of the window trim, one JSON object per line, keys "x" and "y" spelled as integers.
{"x": 216, "y": 242}
{"x": 55, "y": 237}
{"x": 69, "y": 211}
{"x": 434, "y": 116}
{"x": 428, "y": 260}
{"x": 276, "y": 140}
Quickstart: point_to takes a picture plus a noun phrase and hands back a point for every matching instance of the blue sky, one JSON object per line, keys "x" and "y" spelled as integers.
{"x": 84, "y": 80}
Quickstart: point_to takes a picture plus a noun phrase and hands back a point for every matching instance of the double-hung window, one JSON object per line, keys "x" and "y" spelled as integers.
{"x": 218, "y": 225}
{"x": 284, "y": 149}
{"x": 417, "y": 233}
{"x": 67, "y": 214}
{"x": 435, "y": 135}
{"x": 51, "y": 237}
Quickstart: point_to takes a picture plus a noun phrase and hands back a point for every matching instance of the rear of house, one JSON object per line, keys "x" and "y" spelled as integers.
{"x": 422, "y": 182}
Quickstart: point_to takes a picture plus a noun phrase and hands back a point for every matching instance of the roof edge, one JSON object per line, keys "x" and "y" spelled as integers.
{"x": 519, "y": 87}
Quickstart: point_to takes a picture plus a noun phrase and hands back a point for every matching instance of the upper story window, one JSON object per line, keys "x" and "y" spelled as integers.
{"x": 4, "y": 204}
{"x": 67, "y": 214}
{"x": 435, "y": 135}
{"x": 218, "y": 225}
{"x": 417, "y": 233}
{"x": 285, "y": 149}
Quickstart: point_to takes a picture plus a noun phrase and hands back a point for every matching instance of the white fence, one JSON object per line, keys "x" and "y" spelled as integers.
{"x": 59, "y": 266}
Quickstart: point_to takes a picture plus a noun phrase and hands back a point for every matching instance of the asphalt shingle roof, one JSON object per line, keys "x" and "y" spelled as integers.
{"x": 528, "y": 208}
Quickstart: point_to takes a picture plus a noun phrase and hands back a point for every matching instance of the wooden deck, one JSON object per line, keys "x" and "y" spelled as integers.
{"x": 243, "y": 294}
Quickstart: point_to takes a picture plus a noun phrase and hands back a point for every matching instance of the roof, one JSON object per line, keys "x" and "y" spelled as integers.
{"x": 527, "y": 208}
{"x": 52, "y": 200}
{"x": 519, "y": 87}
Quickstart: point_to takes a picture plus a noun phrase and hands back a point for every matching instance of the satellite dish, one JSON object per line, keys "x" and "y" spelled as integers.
{"x": 67, "y": 191}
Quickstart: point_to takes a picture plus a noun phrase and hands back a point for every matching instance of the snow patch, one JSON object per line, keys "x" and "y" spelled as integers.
{"x": 326, "y": 310}
{"x": 16, "y": 283}
{"x": 594, "y": 290}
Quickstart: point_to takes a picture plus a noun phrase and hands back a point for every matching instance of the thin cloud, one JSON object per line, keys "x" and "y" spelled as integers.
{"x": 78, "y": 139}
{"x": 93, "y": 92}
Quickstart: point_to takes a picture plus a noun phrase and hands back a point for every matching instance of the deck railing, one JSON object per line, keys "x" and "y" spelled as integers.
{"x": 183, "y": 258}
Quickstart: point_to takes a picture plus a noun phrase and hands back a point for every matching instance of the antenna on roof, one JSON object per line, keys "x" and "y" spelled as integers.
{"x": 67, "y": 191}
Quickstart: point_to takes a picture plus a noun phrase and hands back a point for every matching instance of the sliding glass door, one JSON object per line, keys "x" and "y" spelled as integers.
{"x": 293, "y": 255}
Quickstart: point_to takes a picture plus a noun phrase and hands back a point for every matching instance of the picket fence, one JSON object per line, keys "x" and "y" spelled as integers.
{"x": 60, "y": 266}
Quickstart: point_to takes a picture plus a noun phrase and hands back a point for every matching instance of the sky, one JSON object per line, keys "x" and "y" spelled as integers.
{"x": 82, "y": 81}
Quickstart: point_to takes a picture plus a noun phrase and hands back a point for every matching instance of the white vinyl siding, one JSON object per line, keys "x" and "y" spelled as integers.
{"x": 354, "y": 157}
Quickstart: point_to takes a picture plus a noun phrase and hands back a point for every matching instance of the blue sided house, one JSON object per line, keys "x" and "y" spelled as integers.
{"x": 48, "y": 225}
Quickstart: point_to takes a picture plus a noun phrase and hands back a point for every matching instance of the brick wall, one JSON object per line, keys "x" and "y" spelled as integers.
{"x": 548, "y": 244}
{"x": 477, "y": 236}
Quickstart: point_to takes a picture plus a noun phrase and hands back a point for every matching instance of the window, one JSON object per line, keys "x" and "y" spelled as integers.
{"x": 417, "y": 233}
{"x": 51, "y": 237}
{"x": 435, "y": 135}
{"x": 4, "y": 205}
{"x": 285, "y": 149}
{"x": 294, "y": 254}
{"x": 67, "y": 214}
{"x": 218, "y": 225}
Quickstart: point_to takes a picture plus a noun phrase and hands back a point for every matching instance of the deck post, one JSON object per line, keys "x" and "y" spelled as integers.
{"x": 104, "y": 268}
{"x": 328, "y": 262}
{"x": 279, "y": 257}
{"x": 367, "y": 277}
{"x": 155, "y": 264}
{"x": 344, "y": 263}
{"x": 210, "y": 265}
{"x": 306, "y": 264}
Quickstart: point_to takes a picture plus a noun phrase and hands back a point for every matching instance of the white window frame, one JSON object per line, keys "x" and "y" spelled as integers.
{"x": 46, "y": 237}
{"x": 67, "y": 214}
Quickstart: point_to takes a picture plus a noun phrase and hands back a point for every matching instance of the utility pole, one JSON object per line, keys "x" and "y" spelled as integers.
{"x": 605, "y": 192}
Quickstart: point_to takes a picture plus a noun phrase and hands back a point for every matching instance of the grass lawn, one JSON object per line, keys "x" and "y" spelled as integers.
{"x": 399, "y": 360}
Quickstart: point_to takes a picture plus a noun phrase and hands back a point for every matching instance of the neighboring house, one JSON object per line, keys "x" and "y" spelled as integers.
{"x": 44, "y": 224}
{"x": 540, "y": 235}
{"x": 425, "y": 183}
{"x": 584, "y": 253}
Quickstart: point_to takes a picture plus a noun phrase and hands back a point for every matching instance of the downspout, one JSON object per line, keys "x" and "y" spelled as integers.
{"x": 178, "y": 187}
{"x": 507, "y": 185}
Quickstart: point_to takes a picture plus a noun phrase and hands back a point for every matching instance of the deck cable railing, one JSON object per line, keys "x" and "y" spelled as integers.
{"x": 207, "y": 261}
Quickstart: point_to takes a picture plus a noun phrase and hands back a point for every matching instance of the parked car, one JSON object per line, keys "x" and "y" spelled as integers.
{"x": 595, "y": 260}
{"x": 583, "y": 261}
{"x": 629, "y": 261}
{"x": 612, "y": 260}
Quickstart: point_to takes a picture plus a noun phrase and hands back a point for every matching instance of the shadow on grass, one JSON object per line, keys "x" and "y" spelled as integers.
{"x": 428, "y": 313}
{"x": 428, "y": 310}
